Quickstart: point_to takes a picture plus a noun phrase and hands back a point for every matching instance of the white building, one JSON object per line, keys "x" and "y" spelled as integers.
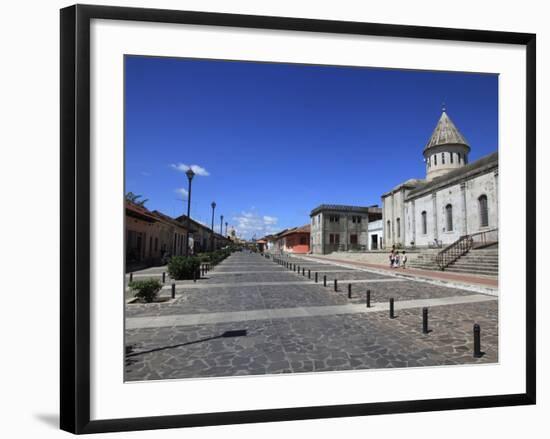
{"x": 376, "y": 233}
{"x": 457, "y": 198}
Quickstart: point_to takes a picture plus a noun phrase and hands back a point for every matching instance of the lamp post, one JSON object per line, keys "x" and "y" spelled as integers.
{"x": 226, "y": 229}
{"x": 212, "y": 240}
{"x": 221, "y": 224}
{"x": 190, "y": 174}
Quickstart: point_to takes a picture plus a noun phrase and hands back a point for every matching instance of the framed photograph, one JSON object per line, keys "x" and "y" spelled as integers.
{"x": 274, "y": 218}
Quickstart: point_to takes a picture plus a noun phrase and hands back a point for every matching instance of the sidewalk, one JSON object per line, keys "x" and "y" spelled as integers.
{"x": 414, "y": 273}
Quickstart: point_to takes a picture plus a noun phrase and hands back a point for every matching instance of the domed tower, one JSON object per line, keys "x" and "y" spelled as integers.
{"x": 446, "y": 150}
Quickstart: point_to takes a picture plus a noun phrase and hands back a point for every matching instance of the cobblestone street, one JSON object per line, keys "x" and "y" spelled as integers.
{"x": 251, "y": 315}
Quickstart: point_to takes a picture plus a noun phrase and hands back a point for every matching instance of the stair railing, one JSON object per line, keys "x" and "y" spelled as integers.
{"x": 463, "y": 245}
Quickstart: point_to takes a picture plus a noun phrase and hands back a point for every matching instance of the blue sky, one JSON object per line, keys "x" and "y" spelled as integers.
{"x": 275, "y": 140}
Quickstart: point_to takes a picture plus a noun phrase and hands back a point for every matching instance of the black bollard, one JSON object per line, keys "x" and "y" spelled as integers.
{"x": 131, "y": 277}
{"x": 325, "y": 280}
{"x": 392, "y": 315}
{"x": 335, "y": 284}
{"x": 368, "y": 298}
{"x": 349, "y": 291}
{"x": 309, "y": 274}
{"x": 303, "y": 271}
{"x": 477, "y": 341}
{"x": 194, "y": 275}
{"x": 173, "y": 290}
{"x": 425, "y": 320}
{"x": 163, "y": 277}
{"x": 316, "y": 279}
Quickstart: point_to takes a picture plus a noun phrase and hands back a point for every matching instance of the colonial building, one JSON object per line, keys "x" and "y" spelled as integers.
{"x": 152, "y": 237}
{"x": 341, "y": 228}
{"x": 295, "y": 240}
{"x": 457, "y": 198}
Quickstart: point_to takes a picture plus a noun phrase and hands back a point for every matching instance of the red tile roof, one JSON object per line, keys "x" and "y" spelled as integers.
{"x": 302, "y": 229}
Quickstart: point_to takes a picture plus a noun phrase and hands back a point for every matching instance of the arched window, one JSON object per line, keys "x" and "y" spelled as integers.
{"x": 424, "y": 223}
{"x": 459, "y": 157}
{"x": 452, "y": 155}
{"x": 435, "y": 159}
{"x": 398, "y": 225}
{"x": 389, "y": 229}
{"x": 442, "y": 158}
{"x": 449, "y": 216}
{"x": 483, "y": 211}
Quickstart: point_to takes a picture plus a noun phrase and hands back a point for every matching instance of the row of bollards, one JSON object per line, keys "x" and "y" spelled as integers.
{"x": 477, "y": 353}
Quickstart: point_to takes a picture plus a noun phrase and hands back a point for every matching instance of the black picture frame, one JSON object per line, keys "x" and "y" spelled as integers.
{"x": 75, "y": 217}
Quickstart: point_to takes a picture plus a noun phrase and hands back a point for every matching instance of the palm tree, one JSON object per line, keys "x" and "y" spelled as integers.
{"x": 134, "y": 198}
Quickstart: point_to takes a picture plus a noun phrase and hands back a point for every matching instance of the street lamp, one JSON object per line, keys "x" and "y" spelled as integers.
{"x": 226, "y": 229}
{"x": 190, "y": 174}
{"x": 221, "y": 224}
{"x": 212, "y": 240}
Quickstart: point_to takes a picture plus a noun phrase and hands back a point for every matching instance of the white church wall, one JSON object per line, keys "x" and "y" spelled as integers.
{"x": 450, "y": 196}
{"x": 393, "y": 209}
{"x": 465, "y": 221}
{"x": 481, "y": 185}
{"x": 423, "y": 204}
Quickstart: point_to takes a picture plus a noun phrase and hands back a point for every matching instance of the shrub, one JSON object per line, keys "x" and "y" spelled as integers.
{"x": 214, "y": 257}
{"x": 146, "y": 290}
{"x": 182, "y": 267}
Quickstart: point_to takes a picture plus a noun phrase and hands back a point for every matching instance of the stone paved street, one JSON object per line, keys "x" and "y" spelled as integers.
{"x": 250, "y": 315}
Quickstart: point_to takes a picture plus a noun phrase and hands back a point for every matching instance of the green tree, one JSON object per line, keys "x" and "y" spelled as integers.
{"x": 135, "y": 198}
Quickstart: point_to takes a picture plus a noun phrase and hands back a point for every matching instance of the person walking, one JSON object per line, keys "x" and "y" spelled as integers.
{"x": 392, "y": 259}
{"x": 404, "y": 260}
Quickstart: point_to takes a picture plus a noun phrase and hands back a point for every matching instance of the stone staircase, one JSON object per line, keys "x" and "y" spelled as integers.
{"x": 476, "y": 261}
{"x": 425, "y": 260}
{"x": 482, "y": 261}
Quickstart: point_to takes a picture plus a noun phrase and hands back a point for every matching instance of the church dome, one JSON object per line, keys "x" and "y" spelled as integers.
{"x": 446, "y": 150}
{"x": 446, "y": 133}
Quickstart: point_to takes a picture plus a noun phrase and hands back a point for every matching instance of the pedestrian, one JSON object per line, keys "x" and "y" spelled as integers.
{"x": 396, "y": 259}
{"x": 404, "y": 259}
{"x": 392, "y": 259}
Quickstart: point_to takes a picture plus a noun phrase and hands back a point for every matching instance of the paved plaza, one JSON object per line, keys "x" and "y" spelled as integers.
{"x": 251, "y": 315}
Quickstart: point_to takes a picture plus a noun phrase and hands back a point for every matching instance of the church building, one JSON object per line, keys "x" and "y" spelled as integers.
{"x": 456, "y": 198}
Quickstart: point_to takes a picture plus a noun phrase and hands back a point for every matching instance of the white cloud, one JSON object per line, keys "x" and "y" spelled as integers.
{"x": 146, "y": 174}
{"x": 198, "y": 170}
{"x": 270, "y": 219}
{"x": 181, "y": 191}
{"x": 250, "y": 223}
